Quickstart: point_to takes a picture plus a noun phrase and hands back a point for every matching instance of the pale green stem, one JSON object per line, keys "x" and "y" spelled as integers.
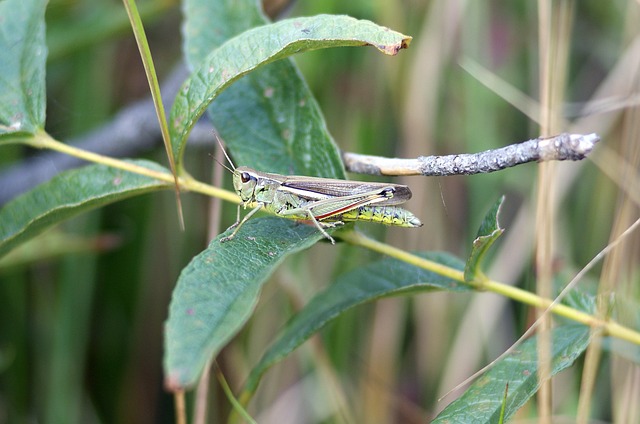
{"x": 609, "y": 326}
{"x": 44, "y": 141}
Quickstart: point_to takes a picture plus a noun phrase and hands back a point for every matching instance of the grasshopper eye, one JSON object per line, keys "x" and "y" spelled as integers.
{"x": 245, "y": 177}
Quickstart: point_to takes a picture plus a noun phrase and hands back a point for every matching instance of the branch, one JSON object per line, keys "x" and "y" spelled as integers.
{"x": 560, "y": 147}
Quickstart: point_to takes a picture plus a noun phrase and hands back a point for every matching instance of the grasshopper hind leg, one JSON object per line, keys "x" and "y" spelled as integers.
{"x": 299, "y": 212}
{"x": 319, "y": 225}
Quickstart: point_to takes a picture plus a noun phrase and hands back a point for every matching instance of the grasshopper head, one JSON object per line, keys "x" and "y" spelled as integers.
{"x": 244, "y": 182}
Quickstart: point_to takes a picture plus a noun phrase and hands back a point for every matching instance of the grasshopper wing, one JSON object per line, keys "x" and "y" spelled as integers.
{"x": 321, "y": 188}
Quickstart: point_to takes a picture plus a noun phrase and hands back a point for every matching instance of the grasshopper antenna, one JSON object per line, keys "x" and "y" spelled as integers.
{"x": 220, "y": 163}
{"x": 233, "y": 168}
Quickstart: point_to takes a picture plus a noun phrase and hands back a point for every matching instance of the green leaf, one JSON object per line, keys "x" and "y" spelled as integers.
{"x": 23, "y": 55}
{"x": 217, "y": 292}
{"x": 263, "y": 45}
{"x": 68, "y": 194}
{"x": 209, "y": 23}
{"x": 482, "y": 402}
{"x": 269, "y": 119}
{"x": 385, "y": 278}
{"x": 285, "y": 133}
{"x": 488, "y": 233}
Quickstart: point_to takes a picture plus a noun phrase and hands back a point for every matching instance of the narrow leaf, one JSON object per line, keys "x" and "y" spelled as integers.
{"x": 68, "y": 194}
{"x": 265, "y": 44}
{"x": 482, "y": 402}
{"x": 217, "y": 292}
{"x": 389, "y": 277}
{"x": 503, "y": 408}
{"x": 488, "y": 233}
{"x": 23, "y": 55}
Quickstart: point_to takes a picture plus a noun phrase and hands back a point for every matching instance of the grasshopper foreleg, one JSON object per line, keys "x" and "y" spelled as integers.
{"x": 235, "y": 224}
{"x": 239, "y": 223}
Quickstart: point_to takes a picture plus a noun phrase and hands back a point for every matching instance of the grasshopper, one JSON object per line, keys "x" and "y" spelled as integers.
{"x": 325, "y": 202}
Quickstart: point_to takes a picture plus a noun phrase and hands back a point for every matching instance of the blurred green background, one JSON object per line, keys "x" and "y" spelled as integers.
{"x": 81, "y": 321}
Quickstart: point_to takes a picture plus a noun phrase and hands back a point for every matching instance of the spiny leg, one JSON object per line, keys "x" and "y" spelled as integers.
{"x": 319, "y": 225}
{"x": 235, "y": 224}
{"x": 239, "y": 223}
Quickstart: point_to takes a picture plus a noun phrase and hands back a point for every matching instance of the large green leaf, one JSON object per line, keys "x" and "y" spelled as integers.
{"x": 68, "y": 194}
{"x": 217, "y": 292}
{"x": 389, "y": 277}
{"x": 209, "y": 23}
{"x": 23, "y": 55}
{"x": 482, "y": 402}
{"x": 263, "y": 45}
{"x": 268, "y": 119}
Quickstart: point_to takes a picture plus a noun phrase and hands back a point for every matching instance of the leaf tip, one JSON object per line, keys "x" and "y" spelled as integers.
{"x": 404, "y": 44}
{"x": 172, "y": 383}
{"x": 393, "y": 49}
